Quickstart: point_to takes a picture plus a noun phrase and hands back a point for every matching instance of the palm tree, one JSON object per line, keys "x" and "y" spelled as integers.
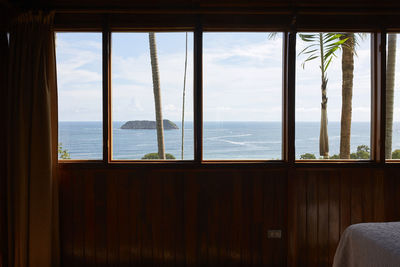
{"x": 183, "y": 97}
{"x": 323, "y": 47}
{"x": 349, "y": 51}
{"x": 157, "y": 95}
{"x": 390, "y": 78}
{"x": 347, "y": 94}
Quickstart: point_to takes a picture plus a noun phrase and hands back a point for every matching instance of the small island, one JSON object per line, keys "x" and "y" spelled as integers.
{"x": 148, "y": 125}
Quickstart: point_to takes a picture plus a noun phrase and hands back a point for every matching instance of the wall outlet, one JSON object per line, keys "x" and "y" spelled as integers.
{"x": 274, "y": 234}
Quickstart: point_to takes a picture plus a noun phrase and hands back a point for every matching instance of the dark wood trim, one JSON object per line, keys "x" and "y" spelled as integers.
{"x": 106, "y": 92}
{"x": 178, "y": 11}
{"x": 285, "y": 98}
{"x": 335, "y": 165}
{"x": 187, "y": 165}
{"x": 375, "y": 100}
{"x": 109, "y": 97}
{"x": 255, "y": 9}
{"x": 382, "y": 90}
{"x": 392, "y": 163}
{"x": 198, "y": 94}
{"x": 162, "y": 20}
{"x": 379, "y": 83}
{"x": 290, "y": 97}
{"x": 378, "y": 96}
{"x": 174, "y": 165}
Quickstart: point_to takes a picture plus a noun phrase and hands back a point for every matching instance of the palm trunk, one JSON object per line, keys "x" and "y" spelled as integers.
{"x": 183, "y": 98}
{"x": 347, "y": 94}
{"x": 390, "y": 78}
{"x": 157, "y": 95}
{"x": 323, "y": 135}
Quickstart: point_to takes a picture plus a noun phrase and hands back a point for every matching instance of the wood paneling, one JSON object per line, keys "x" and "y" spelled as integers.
{"x": 392, "y": 194}
{"x": 165, "y": 217}
{"x": 323, "y": 202}
{"x": 218, "y": 216}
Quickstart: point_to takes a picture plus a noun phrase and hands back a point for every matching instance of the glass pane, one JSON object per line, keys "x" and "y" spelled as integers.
{"x": 338, "y": 128}
{"x": 79, "y": 81}
{"x": 242, "y": 96}
{"x": 392, "y": 146}
{"x": 134, "y": 121}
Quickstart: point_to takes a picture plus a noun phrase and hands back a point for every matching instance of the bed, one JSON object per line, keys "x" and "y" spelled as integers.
{"x": 369, "y": 244}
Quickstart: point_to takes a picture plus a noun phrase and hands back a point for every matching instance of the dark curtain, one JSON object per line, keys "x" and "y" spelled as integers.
{"x": 3, "y": 145}
{"x": 32, "y": 194}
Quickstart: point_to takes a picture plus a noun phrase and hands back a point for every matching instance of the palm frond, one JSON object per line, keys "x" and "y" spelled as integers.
{"x": 330, "y": 44}
{"x": 272, "y": 35}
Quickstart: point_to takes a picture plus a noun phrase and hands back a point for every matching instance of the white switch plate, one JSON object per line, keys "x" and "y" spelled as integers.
{"x": 274, "y": 234}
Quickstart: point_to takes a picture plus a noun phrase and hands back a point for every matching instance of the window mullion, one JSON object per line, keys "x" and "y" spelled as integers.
{"x": 198, "y": 95}
{"x": 289, "y": 97}
{"x": 378, "y": 118}
{"x": 106, "y": 94}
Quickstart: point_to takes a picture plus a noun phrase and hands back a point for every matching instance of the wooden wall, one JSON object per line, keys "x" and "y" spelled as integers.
{"x": 322, "y": 203}
{"x": 218, "y": 216}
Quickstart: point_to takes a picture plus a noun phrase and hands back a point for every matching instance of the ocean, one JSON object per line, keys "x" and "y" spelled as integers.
{"x": 221, "y": 140}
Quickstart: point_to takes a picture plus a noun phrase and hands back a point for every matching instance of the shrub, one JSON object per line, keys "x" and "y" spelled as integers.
{"x": 396, "y": 154}
{"x": 155, "y": 156}
{"x": 362, "y": 153}
{"x": 307, "y": 156}
{"x": 63, "y": 153}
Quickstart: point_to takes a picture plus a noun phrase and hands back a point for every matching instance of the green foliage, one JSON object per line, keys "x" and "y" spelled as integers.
{"x": 329, "y": 43}
{"x": 307, "y": 156}
{"x": 396, "y": 154}
{"x": 63, "y": 153}
{"x": 155, "y": 156}
{"x": 362, "y": 153}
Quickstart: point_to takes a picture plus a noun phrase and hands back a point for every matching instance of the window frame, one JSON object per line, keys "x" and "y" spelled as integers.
{"x": 374, "y": 105}
{"x": 378, "y": 72}
{"x": 109, "y": 97}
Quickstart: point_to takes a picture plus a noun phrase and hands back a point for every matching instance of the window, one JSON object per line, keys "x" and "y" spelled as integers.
{"x": 333, "y": 103}
{"x": 243, "y": 83}
{"x": 79, "y": 81}
{"x": 134, "y": 127}
{"x": 242, "y": 96}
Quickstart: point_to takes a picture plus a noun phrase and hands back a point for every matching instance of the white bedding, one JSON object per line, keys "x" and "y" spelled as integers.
{"x": 369, "y": 244}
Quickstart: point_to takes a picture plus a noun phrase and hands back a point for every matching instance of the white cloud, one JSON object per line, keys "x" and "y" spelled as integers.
{"x": 242, "y": 80}
{"x": 308, "y": 85}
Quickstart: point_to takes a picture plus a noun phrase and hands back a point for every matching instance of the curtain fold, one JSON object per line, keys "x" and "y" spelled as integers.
{"x": 3, "y": 146}
{"x": 32, "y": 181}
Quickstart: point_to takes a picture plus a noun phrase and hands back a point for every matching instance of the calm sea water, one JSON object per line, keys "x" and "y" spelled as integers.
{"x": 222, "y": 140}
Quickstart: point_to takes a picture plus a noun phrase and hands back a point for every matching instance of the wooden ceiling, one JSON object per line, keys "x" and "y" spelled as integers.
{"x": 271, "y": 13}
{"x": 201, "y": 4}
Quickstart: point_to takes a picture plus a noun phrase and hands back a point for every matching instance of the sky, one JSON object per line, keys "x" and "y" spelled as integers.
{"x": 242, "y": 78}
{"x": 308, "y": 84}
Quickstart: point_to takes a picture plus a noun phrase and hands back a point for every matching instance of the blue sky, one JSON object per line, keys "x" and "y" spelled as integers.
{"x": 242, "y": 78}
{"x": 308, "y": 84}
{"x": 132, "y": 84}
